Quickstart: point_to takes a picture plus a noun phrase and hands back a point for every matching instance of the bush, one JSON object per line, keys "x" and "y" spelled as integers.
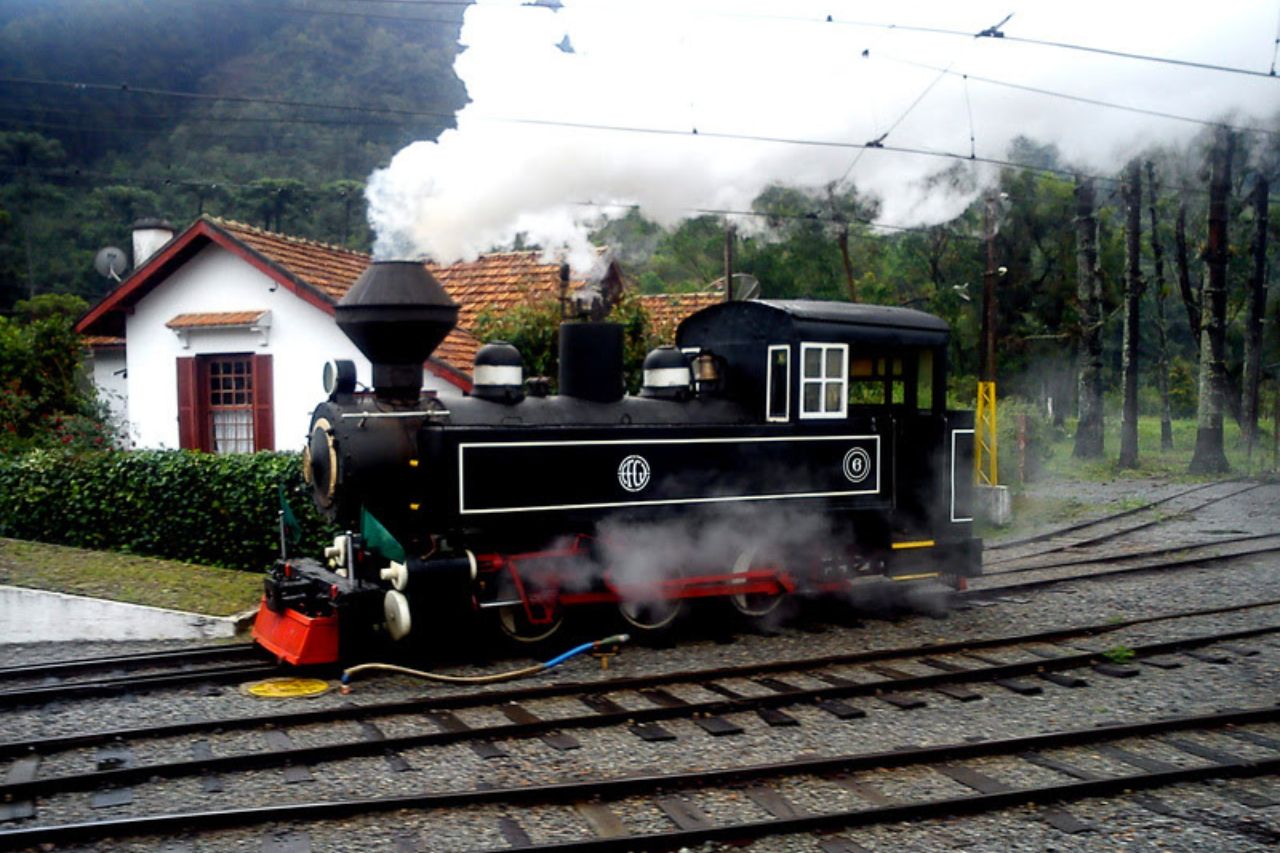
{"x": 197, "y": 507}
{"x": 45, "y": 399}
{"x": 1017, "y": 466}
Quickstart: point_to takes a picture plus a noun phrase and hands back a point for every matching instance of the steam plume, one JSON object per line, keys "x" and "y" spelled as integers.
{"x": 779, "y": 69}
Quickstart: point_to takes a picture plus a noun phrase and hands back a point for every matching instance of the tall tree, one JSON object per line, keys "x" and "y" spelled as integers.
{"x": 1132, "y": 192}
{"x": 1209, "y": 456}
{"x": 1190, "y": 290}
{"x": 24, "y": 154}
{"x": 1162, "y": 321}
{"x": 1257, "y": 306}
{"x": 1089, "y": 441}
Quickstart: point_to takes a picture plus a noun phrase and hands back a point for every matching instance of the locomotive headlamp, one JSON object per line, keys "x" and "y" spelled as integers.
{"x": 320, "y": 460}
{"x": 339, "y": 377}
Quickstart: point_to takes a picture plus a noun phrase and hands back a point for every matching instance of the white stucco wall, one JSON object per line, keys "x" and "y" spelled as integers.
{"x": 108, "y": 370}
{"x": 301, "y": 339}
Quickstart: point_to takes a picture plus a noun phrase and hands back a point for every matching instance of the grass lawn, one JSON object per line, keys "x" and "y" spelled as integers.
{"x": 128, "y": 578}
{"x": 1152, "y": 461}
{"x": 1036, "y": 507}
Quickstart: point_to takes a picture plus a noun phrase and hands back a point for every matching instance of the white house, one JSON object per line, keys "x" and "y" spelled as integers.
{"x": 217, "y": 338}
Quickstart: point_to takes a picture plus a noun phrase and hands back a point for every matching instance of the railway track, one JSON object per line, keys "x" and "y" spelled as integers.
{"x": 1089, "y": 557}
{"x": 694, "y": 825}
{"x": 135, "y": 661}
{"x": 1053, "y": 665}
{"x": 1112, "y": 526}
{"x": 1164, "y": 559}
{"x": 45, "y": 745}
{"x": 133, "y": 673}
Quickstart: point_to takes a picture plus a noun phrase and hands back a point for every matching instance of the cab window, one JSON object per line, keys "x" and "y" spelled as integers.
{"x": 778, "y": 390}
{"x": 823, "y": 380}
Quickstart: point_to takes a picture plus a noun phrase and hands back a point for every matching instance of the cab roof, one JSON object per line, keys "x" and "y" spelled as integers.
{"x": 792, "y": 320}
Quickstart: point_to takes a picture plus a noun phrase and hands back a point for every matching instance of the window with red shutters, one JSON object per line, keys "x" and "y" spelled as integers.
{"x": 225, "y": 403}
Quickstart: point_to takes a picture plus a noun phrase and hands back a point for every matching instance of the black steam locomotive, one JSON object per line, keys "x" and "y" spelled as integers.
{"x": 780, "y": 448}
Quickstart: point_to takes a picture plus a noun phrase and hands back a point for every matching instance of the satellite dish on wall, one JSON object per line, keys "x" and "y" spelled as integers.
{"x": 111, "y": 262}
{"x": 745, "y": 286}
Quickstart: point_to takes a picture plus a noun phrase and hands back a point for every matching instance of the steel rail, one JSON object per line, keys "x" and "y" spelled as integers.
{"x": 49, "y": 745}
{"x": 1092, "y": 522}
{"x": 920, "y": 810}
{"x": 594, "y": 720}
{"x": 986, "y": 590}
{"x": 197, "y": 654}
{"x": 617, "y": 787}
{"x": 1119, "y": 556}
{"x": 1133, "y": 528}
{"x": 134, "y": 684}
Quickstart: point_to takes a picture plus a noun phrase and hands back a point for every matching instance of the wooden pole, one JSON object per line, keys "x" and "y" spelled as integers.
{"x": 988, "y": 366}
{"x": 729, "y": 232}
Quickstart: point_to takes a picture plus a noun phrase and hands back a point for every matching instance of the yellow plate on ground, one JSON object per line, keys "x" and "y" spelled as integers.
{"x": 287, "y": 688}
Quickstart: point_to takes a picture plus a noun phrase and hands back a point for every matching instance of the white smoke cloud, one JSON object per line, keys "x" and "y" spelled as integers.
{"x": 776, "y": 68}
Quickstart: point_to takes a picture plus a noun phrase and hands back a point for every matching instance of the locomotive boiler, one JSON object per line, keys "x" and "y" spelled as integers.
{"x": 779, "y": 448}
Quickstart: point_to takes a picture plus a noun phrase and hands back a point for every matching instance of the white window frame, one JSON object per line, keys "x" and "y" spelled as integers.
{"x": 768, "y": 386}
{"x": 805, "y": 413}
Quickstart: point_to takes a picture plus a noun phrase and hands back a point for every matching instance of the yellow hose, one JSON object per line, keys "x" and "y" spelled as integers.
{"x": 440, "y": 676}
{"x": 613, "y": 640}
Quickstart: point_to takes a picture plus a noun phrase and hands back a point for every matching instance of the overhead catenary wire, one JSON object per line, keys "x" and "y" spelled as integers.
{"x": 992, "y": 33}
{"x": 450, "y": 117}
{"x": 1077, "y": 98}
{"x": 1275, "y": 49}
{"x": 793, "y": 217}
{"x": 195, "y": 183}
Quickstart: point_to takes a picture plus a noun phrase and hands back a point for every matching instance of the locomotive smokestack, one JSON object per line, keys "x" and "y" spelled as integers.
{"x": 591, "y": 361}
{"x": 397, "y": 314}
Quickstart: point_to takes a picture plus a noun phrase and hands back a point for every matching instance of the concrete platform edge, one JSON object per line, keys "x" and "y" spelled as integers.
{"x": 40, "y": 616}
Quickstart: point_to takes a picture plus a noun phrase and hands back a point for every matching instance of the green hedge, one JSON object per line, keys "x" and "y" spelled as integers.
{"x": 197, "y": 507}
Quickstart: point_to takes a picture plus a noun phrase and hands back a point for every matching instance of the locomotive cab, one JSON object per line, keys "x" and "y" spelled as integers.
{"x": 820, "y": 369}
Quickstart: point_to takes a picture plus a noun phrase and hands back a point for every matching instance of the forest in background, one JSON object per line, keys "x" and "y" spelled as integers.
{"x": 232, "y": 111}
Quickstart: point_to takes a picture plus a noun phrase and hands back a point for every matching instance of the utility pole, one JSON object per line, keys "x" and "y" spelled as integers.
{"x": 730, "y": 232}
{"x": 988, "y": 366}
{"x": 985, "y": 449}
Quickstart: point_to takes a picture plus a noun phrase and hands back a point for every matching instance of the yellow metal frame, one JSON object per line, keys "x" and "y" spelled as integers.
{"x": 984, "y": 445}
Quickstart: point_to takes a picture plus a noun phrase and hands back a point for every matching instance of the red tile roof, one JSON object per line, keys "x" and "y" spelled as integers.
{"x": 458, "y": 349}
{"x": 215, "y": 319}
{"x": 499, "y": 281}
{"x": 101, "y": 341}
{"x": 327, "y": 268}
{"x": 667, "y": 310}
{"x": 322, "y": 273}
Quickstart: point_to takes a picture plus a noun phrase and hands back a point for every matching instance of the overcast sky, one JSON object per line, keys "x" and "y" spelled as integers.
{"x": 777, "y": 68}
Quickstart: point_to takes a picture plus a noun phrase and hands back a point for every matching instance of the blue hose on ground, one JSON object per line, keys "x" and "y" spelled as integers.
{"x": 613, "y": 640}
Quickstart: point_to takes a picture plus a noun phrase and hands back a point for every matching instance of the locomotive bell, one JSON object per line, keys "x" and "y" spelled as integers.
{"x": 396, "y": 313}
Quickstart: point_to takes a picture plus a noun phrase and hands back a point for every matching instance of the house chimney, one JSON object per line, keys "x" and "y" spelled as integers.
{"x": 149, "y": 236}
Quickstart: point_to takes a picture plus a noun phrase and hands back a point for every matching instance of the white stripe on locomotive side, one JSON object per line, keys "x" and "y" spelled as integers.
{"x": 462, "y": 510}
